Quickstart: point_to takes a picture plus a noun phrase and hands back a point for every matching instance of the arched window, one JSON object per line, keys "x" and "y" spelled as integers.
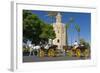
{"x": 58, "y": 41}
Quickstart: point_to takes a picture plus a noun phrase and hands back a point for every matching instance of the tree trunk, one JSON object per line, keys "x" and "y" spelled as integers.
{"x": 78, "y": 37}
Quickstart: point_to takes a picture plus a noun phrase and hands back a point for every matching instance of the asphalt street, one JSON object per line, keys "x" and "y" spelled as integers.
{"x": 41, "y": 59}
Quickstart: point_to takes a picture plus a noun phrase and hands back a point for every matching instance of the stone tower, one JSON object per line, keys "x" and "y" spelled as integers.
{"x": 60, "y": 31}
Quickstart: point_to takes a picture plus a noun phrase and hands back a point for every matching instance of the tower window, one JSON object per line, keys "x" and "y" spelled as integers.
{"x": 58, "y": 40}
{"x": 58, "y": 31}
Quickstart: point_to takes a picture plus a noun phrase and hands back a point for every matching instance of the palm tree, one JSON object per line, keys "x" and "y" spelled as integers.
{"x": 71, "y": 20}
{"x": 67, "y": 26}
{"x": 77, "y": 27}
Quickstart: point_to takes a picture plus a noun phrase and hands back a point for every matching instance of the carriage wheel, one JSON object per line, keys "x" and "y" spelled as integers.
{"x": 51, "y": 53}
{"x": 78, "y": 52}
{"x": 70, "y": 53}
{"x": 86, "y": 53}
{"x": 56, "y": 53}
{"x": 41, "y": 53}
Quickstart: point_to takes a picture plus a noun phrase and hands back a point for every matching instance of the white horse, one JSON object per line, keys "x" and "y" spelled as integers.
{"x": 36, "y": 47}
{"x": 30, "y": 46}
{"x": 33, "y": 47}
{"x": 47, "y": 46}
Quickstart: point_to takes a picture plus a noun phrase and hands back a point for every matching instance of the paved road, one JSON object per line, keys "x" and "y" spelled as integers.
{"x": 39, "y": 59}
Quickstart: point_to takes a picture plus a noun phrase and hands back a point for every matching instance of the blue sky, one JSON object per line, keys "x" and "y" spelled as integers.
{"x": 82, "y": 19}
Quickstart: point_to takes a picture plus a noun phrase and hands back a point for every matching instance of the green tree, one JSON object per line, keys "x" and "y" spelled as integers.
{"x": 77, "y": 27}
{"x": 47, "y": 33}
{"x": 32, "y": 28}
{"x": 85, "y": 43}
{"x": 26, "y": 13}
{"x": 35, "y": 29}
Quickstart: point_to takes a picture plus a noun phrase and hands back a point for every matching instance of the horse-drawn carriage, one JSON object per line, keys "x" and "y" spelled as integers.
{"x": 79, "y": 51}
{"x": 41, "y": 51}
{"x": 50, "y": 52}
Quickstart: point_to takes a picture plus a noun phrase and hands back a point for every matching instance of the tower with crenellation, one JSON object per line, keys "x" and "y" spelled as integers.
{"x": 60, "y": 32}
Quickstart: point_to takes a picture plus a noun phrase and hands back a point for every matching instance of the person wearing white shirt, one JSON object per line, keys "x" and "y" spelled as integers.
{"x": 76, "y": 44}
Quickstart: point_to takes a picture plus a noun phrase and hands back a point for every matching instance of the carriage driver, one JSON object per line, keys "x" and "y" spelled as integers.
{"x": 75, "y": 45}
